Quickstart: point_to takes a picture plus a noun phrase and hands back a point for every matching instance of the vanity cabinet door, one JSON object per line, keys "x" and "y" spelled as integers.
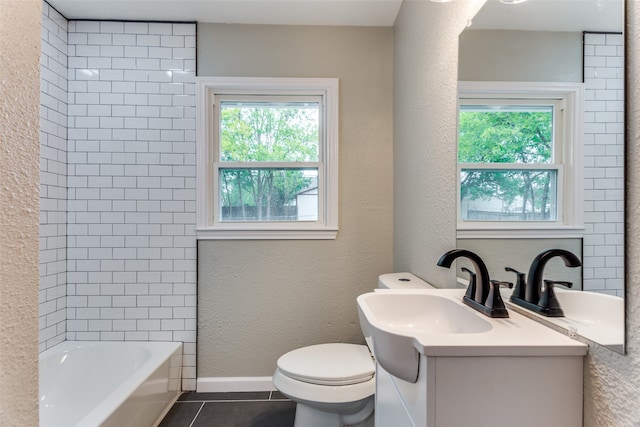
{"x": 483, "y": 392}
{"x": 508, "y": 391}
{"x": 390, "y": 410}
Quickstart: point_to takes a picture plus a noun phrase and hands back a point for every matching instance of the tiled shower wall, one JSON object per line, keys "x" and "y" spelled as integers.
{"x": 53, "y": 178}
{"x": 130, "y": 175}
{"x": 604, "y": 163}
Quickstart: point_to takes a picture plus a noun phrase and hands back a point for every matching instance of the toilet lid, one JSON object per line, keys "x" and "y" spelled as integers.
{"x": 329, "y": 364}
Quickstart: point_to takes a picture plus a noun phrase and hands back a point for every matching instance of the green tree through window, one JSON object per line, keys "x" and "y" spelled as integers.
{"x": 499, "y": 148}
{"x": 254, "y": 136}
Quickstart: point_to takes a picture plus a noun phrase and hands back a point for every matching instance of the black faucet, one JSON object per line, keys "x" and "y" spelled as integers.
{"x": 533, "y": 297}
{"x": 482, "y": 293}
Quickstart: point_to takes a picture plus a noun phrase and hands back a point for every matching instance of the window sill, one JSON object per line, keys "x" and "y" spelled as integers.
{"x": 521, "y": 233}
{"x": 265, "y": 234}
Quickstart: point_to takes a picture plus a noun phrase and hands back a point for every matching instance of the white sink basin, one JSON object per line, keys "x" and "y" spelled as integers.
{"x": 400, "y": 325}
{"x": 428, "y": 314}
{"x": 393, "y": 320}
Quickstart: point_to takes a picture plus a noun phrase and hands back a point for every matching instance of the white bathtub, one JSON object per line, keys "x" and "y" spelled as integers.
{"x": 119, "y": 384}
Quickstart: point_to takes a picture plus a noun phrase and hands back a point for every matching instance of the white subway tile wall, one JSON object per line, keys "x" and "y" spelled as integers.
{"x": 118, "y": 247}
{"x": 603, "y": 255}
{"x": 132, "y": 248}
{"x": 53, "y": 178}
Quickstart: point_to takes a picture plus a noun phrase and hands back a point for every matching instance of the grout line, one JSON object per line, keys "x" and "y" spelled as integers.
{"x": 198, "y": 413}
{"x": 232, "y": 400}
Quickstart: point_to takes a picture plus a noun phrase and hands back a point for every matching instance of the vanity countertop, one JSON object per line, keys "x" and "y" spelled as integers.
{"x": 516, "y": 335}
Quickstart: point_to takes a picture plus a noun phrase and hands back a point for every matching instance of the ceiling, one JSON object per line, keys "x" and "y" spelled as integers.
{"x": 286, "y": 12}
{"x": 541, "y": 15}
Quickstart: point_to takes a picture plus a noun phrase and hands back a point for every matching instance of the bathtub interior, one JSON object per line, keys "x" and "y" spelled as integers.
{"x": 108, "y": 383}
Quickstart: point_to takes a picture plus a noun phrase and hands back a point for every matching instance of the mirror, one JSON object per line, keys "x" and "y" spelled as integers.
{"x": 563, "y": 41}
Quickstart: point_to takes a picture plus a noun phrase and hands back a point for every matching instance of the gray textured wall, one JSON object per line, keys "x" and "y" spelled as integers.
{"x": 20, "y": 30}
{"x": 260, "y": 299}
{"x": 425, "y": 131}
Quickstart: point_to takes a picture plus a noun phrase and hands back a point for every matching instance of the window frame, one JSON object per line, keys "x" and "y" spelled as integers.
{"x": 208, "y": 154}
{"x": 567, "y": 157}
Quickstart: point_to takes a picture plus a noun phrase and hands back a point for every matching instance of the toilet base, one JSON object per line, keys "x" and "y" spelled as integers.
{"x": 306, "y": 416}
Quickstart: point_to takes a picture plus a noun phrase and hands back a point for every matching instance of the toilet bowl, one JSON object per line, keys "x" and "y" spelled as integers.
{"x": 333, "y": 384}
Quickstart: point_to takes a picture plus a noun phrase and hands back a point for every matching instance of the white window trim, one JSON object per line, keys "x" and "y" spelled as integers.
{"x": 571, "y": 224}
{"x": 206, "y": 227}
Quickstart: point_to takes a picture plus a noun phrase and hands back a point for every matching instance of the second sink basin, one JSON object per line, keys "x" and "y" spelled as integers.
{"x": 595, "y": 316}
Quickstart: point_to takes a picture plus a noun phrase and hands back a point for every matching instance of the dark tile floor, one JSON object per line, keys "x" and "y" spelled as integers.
{"x": 256, "y": 409}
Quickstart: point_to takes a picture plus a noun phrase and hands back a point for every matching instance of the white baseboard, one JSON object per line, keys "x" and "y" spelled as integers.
{"x": 234, "y": 384}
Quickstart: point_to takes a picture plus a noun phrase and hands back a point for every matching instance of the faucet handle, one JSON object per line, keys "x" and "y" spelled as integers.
{"x": 548, "y": 300}
{"x": 558, "y": 282}
{"x": 519, "y": 290}
{"x": 471, "y": 288}
{"x": 494, "y": 300}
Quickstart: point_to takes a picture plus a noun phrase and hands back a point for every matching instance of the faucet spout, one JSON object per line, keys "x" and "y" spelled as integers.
{"x": 482, "y": 293}
{"x": 533, "y": 298}
{"x": 534, "y": 278}
{"x": 481, "y": 272}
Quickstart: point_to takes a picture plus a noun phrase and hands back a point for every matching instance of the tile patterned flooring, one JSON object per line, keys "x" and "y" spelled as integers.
{"x": 255, "y": 409}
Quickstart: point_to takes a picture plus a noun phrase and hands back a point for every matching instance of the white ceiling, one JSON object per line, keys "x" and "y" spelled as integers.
{"x": 542, "y": 15}
{"x": 286, "y": 12}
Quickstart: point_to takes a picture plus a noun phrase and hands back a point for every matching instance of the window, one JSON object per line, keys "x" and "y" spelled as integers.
{"x": 519, "y": 159}
{"x": 267, "y": 158}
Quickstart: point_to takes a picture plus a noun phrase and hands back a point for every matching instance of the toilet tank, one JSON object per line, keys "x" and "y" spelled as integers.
{"x": 402, "y": 281}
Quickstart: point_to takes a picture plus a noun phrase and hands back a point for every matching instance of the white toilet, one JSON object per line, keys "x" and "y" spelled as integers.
{"x": 334, "y": 384}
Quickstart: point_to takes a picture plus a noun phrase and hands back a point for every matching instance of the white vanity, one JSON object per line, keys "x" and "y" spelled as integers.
{"x": 441, "y": 364}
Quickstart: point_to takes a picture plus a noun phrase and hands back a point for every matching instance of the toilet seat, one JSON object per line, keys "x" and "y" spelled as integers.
{"x": 333, "y": 364}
